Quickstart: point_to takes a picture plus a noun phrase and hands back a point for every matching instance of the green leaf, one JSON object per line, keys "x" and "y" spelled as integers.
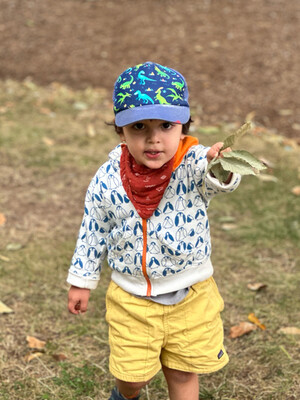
{"x": 247, "y": 157}
{"x": 219, "y": 172}
{"x": 237, "y": 161}
{"x": 230, "y": 140}
{"x": 236, "y": 166}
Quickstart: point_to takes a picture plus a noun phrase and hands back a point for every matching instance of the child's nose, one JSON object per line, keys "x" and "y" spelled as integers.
{"x": 153, "y": 136}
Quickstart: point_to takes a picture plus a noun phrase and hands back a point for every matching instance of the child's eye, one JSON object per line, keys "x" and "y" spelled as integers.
{"x": 167, "y": 125}
{"x": 138, "y": 125}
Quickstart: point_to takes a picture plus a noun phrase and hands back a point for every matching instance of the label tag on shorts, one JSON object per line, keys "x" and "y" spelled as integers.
{"x": 221, "y": 353}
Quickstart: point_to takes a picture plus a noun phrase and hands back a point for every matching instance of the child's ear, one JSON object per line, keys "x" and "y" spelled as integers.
{"x": 118, "y": 129}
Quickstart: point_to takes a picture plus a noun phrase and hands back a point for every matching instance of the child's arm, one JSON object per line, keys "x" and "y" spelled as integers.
{"x": 78, "y": 299}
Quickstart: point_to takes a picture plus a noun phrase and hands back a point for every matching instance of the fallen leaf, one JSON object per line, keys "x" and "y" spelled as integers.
{"x": 296, "y": 127}
{"x": 296, "y": 190}
{"x": 290, "y": 330}
{"x": 2, "y": 219}
{"x": 214, "y": 44}
{"x": 45, "y": 111}
{"x": 91, "y": 130}
{"x": 285, "y": 113}
{"x": 49, "y": 142}
{"x": 267, "y": 178}
{"x": 59, "y": 357}
{"x": 14, "y": 246}
{"x": 34, "y": 343}
{"x": 3, "y": 258}
{"x": 291, "y": 143}
{"x": 250, "y": 116}
{"x": 31, "y": 356}
{"x": 30, "y": 23}
{"x": 242, "y": 329}
{"x": 80, "y": 106}
{"x": 3, "y": 110}
{"x": 256, "y": 286}
{"x": 29, "y": 84}
{"x": 267, "y": 162}
{"x": 228, "y": 227}
{"x": 198, "y": 48}
{"x": 256, "y": 321}
{"x": 4, "y": 309}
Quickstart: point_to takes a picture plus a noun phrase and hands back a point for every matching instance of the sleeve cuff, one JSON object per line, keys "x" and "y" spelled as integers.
{"x": 234, "y": 182}
{"x": 80, "y": 282}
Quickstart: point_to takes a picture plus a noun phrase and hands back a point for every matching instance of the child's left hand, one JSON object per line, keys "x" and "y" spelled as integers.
{"x": 214, "y": 151}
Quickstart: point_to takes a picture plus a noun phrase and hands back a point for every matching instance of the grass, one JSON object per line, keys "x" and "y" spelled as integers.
{"x": 52, "y": 141}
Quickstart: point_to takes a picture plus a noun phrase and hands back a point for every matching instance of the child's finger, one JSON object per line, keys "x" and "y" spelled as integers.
{"x": 226, "y": 150}
{"x": 72, "y": 309}
{"x": 83, "y": 306}
{"x": 74, "y": 306}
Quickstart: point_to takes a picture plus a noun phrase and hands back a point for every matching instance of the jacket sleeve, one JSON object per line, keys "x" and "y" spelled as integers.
{"x": 91, "y": 249}
{"x": 212, "y": 186}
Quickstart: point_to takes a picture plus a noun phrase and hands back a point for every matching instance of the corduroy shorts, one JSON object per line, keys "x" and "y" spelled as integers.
{"x": 144, "y": 335}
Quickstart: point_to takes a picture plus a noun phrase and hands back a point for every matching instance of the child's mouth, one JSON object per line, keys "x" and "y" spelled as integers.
{"x": 152, "y": 154}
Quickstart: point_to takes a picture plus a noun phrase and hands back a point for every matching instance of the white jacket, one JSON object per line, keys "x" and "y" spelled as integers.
{"x": 167, "y": 252}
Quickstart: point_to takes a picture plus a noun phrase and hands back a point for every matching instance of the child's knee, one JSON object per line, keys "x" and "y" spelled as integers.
{"x": 130, "y": 387}
{"x": 180, "y": 377}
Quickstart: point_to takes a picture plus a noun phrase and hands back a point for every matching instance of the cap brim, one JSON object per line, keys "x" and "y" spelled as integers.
{"x": 178, "y": 114}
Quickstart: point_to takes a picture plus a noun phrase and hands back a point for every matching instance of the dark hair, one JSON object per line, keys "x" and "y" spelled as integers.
{"x": 185, "y": 127}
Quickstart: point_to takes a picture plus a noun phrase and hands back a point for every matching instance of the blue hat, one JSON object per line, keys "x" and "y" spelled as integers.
{"x": 150, "y": 91}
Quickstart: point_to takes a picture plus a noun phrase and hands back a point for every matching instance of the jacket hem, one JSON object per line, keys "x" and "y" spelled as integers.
{"x": 170, "y": 283}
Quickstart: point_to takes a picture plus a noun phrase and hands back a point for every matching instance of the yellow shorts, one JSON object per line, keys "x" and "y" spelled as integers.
{"x": 144, "y": 335}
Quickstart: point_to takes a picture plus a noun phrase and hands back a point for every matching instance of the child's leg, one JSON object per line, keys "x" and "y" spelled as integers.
{"x": 130, "y": 389}
{"x": 182, "y": 385}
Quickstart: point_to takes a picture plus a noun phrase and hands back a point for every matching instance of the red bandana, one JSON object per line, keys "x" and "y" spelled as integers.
{"x": 144, "y": 186}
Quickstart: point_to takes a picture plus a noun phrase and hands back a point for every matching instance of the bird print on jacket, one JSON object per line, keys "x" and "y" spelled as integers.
{"x": 178, "y": 235}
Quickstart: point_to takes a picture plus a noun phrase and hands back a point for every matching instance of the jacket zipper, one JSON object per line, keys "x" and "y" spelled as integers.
{"x": 144, "y": 269}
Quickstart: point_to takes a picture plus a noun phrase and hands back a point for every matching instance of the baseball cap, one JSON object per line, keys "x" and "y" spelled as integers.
{"x": 150, "y": 91}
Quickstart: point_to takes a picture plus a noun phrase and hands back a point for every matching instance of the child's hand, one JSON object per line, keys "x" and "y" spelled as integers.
{"x": 214, "y": 151}
{"x": 78, "y": 299}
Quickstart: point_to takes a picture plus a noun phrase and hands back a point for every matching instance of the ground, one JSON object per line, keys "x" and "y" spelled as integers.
{"x": 238, "y": 56}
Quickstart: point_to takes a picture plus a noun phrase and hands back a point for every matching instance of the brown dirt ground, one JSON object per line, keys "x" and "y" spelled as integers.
{"x": 238, "y": 56}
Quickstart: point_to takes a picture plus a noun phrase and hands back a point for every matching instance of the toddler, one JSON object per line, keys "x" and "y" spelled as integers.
{"x": 146, "y": 213}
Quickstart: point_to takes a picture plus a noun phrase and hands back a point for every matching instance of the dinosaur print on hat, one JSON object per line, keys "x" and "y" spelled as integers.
{"x": 150, "y": 91}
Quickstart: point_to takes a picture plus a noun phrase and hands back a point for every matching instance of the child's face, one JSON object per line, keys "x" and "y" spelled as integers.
{"x": 152, "y": 142}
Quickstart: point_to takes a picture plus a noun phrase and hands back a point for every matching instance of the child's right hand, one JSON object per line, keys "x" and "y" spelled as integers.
{"x": 78, "y": 299}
